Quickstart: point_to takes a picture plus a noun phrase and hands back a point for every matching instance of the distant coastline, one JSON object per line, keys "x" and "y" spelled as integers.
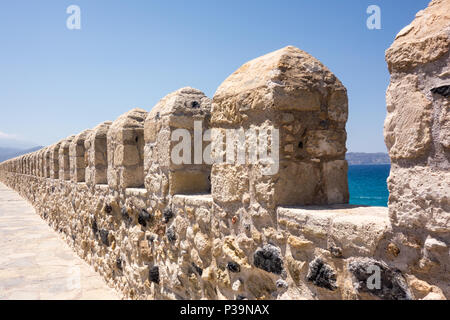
{"x": 362, "y": 158}
{"x": 353, "y": 158}
{"x": 9, "y": 153}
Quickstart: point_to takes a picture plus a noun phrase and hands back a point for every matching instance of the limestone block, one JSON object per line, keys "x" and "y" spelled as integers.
{"x": 326, "y": 143}
{"x": 125, "y": 152}
{"x": 78, "y": 157}
{"x": 64, "y": 160}
{"x": 97, "y": 154}
{"x": 416, "y": 133}
{"x": 54, "y": 161}
{"x": 359, "y": 235}
{"x": 47, "y": 162}
{"x": 425, "y": 40}
{"x": 407, "y": 127}
{"x": 290, "y": 93}
{"x": 229, "y": 182}
{"x": 336, "y": 186}
{"x": 287, "y": 79}
{"x": 301, "y": 189}
{"x": 186, "y": 109}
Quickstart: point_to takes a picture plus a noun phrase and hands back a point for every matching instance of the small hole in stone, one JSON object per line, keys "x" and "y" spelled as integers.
{"x": 137, "y": 139}
{"x": 300, "y": 145}
{"x": 195, "y": 105}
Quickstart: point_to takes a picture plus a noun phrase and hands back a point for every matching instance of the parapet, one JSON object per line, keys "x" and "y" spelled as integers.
{"x": 300, "y": 106}
{"x": 64, "y": 158}
{"x": 417, "y": 131}
{"x": 78, "y": 157}
{"x": 174, "y": 145}
{"x": 245, "y": 195}
{"x": 126, "y": 150}
{"x": 96, "y": 148}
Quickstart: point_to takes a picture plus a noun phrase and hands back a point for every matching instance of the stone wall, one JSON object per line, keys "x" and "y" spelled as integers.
{"x": 417, "y": 131}
{"x": 156, "y": 229}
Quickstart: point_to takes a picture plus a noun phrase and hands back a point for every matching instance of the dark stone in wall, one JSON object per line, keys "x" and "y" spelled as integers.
{"x": 153, "y": 274}
{"x": 197, "y": 269}
{"x": 94, "y": 226}
{"x": 336, "y": 252}
{"x": 126, "y": 217}
{"x": 108, "y": 209}
{"x": 268, "y": 258}
{"x": 392, "y": 284}
{"x": 167, "y": 214}
{"x": 442, "y": 90}
{"x": 119, "y": 263}
{"x": 233, "y": 267}
{"x": 322, "y": 275}
{"x": 171, "y": 236}
{"x": 104, "y": 236}
{"x": 144, "y": 217}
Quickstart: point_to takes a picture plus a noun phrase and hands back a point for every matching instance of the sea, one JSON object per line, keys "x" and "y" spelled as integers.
{"x": 367, "y": 184}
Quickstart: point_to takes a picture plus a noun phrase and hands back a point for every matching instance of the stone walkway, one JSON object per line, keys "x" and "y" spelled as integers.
{"x": 35, "y": 263}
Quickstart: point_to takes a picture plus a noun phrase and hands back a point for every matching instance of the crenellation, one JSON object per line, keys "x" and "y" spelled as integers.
{"x": 54, "y": 160}
{"x": 78, "y": 157}
{"x": 245, "y": 195}
{"x": 64, "y": 158}
{"x": 180, "y": 111}
{"x": 96, "y": 147}
{"x": 125, "y": 142}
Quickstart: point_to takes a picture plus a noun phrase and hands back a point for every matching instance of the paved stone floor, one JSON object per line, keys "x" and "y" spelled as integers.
{"x": 35, "y": 263}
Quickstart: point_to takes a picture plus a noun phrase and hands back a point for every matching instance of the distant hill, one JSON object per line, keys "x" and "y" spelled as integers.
{"x": 354, "y": 158}
{"x": 9, "y": 153}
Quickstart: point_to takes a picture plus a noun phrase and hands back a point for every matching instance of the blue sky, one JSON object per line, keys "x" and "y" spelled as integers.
{"x": 55, "y": 82}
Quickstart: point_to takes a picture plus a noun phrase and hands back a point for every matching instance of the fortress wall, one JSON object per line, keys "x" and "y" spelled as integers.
{"x": 417, "y": 131}
{"x": 158, "y": 229}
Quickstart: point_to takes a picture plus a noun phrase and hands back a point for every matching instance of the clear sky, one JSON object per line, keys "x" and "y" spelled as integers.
{"x": 55, "y": 82}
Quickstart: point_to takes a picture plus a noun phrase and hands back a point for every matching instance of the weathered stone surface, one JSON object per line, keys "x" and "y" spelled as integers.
{"x": 425, "y": 40}
{"x": 408, "y": 123}
{"x": 417, "y": 136}
{"x": 181, "y": 110}
{"x": 77, "y": 157}
{"x": 287, "y": 79}
{"x": 156, "y": 229}
{"x": 64, "y": 159}
{"x": 126, "y": 150}
{"x": 290, "y": 91}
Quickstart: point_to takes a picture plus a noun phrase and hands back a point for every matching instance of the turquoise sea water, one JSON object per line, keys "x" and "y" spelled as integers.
{"x": 367, "y": 184}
